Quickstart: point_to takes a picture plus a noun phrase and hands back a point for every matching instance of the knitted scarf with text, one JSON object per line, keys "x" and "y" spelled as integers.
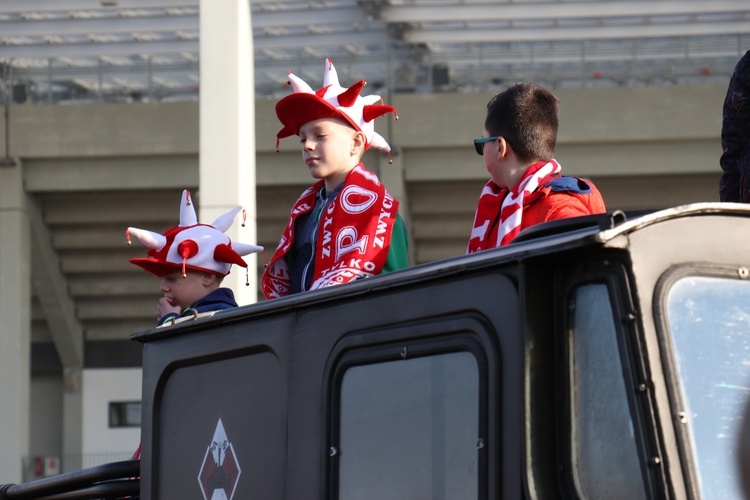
{"x": 353, "y": 235}
{"x": 507, "y": 205}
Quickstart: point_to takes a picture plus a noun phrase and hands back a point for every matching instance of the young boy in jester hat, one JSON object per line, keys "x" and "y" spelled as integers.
{"x": 526, "y": 186}
{"x": 346, "y": 226}
{"x": 192, "y": 259}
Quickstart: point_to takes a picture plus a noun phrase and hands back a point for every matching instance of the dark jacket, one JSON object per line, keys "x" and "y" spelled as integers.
{"x": 734, "y": 184}
{"x": 218, "y": 300}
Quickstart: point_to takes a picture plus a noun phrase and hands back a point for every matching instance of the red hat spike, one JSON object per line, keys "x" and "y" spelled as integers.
{"x": 127, "y": 236}
{"x": 188, "y": 200}
{"x": 244, "y": 217}
{"x": 225, "y": 253}
{"x": 372, "y": 111}
{"x": 350, "y": 95}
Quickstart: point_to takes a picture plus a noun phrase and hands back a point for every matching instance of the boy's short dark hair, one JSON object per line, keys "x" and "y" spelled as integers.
{"x": 525, "y": 115}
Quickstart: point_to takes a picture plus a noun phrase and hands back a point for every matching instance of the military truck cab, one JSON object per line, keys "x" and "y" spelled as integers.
{"x": 606, "y": 357}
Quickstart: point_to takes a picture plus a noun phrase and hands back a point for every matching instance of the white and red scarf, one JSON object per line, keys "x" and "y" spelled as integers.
{"x": 507, "y": 206}
{"x": 353, "y": 236}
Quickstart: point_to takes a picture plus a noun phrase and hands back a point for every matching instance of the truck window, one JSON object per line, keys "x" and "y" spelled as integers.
{"x": 604, "y": 457}
{"x": 708, "y": 318}
{"x": 409, "y": 429}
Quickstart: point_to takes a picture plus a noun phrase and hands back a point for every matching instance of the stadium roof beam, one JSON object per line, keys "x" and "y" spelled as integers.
{"x": 97, "y": 49}
{"x": 15, "y": 6}
{"x": 556, "y": 10}
{"x": 268, "y": 19}
{"x": 576, "y": 33}
{"x": 310, "y": 40}
{"x": 161, "y": 23}
{"x": 89, "y": 26}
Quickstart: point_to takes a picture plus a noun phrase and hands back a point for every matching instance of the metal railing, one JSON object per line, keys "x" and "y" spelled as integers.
{"x": 38, "y": 466}
{"x": 399, "y": 69}
{"x": 112, "y": 480}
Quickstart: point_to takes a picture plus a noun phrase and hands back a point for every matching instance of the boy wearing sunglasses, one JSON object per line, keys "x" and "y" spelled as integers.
{"x": 526, "y": 186}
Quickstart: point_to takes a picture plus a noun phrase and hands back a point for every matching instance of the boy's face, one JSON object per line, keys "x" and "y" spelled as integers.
{"x": 183, "y": 292}
{"x": 330, "y": 149}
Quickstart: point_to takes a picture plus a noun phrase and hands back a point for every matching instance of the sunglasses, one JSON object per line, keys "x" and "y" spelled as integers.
{"x": 479, "y": 143}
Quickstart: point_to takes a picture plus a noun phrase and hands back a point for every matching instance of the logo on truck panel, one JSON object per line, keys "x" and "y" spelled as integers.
{"x": 220, "y": 471}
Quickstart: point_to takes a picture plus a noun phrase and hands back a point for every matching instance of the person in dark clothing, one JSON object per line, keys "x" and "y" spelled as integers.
{"x": 734, "y": 185}
{"x": 192, "y": 259}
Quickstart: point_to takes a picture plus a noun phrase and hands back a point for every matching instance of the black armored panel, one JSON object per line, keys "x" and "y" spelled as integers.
{"x": 346, "y": 389}
{"x": 600, "y": 358}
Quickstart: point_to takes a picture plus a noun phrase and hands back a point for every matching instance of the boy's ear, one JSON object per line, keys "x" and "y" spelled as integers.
{"x": 208, "y": 279}
{"x": 503, "y": 148}
{"x": 358, "y": 143}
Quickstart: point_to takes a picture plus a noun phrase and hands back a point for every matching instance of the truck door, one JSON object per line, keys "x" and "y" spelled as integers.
{"x": 402, "y": 387}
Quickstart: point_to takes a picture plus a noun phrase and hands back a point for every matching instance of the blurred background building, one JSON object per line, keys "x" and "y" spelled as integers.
{"x": 101, "y": 130}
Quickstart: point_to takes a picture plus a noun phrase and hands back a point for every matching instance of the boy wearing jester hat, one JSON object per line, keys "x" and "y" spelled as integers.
{"x": 525, "y": 187}
{"x": 192, "y": 259}
{"x": 346, "y": 226}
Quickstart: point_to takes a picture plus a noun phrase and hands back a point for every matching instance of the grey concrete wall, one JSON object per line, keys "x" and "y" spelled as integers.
{"x": 46, "y": 415}
{"x": 603, "y": 132}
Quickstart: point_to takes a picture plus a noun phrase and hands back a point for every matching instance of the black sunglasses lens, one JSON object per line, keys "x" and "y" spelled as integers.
{"x": 479, "y": 147}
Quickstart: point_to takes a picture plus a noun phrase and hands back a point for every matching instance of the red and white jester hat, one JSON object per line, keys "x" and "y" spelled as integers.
{"x": 192, "y": 245}
{"x": 331, "y": 101}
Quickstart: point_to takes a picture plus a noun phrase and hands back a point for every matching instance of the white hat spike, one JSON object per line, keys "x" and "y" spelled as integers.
{"x": 330, "y": 76}
{"x": 378, "y": 142}
{"x": 299, "y": 85}
{"x": 187, "y": 210}
{"x": 245, "y": 248}
{"x": 148, "y": 238}
{"x": 224, "y": 222}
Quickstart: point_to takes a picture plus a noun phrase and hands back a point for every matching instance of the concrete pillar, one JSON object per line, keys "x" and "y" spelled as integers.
{"x": 72, "y": 438}
{"x": 15, "y": 325}
{"x": 227, "y": 127}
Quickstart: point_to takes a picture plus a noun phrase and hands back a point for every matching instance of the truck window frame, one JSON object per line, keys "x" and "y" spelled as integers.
{"x": 671, "y": 372}
{"x": 612, "y": 274}
{"x": 468, "y": 333}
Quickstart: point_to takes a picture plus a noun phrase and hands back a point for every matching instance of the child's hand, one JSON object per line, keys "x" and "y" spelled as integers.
{"x": 165, "y": 306}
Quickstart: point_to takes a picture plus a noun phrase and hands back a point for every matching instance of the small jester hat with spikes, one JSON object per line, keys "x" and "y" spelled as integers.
{"x": 191, "y": 245}
{"x": 331, "y": 101}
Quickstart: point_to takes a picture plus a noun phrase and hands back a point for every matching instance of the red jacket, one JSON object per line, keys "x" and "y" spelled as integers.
{"x": 557, "y": 198}
{"x": 562, "y": 198}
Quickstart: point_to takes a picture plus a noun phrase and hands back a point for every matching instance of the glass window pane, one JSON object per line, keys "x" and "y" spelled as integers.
{"x": 409, "y": 429}
{"x": 125, "y": 414}
{"x": 605, "y": 457}
{"x": 709, "y": 324}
